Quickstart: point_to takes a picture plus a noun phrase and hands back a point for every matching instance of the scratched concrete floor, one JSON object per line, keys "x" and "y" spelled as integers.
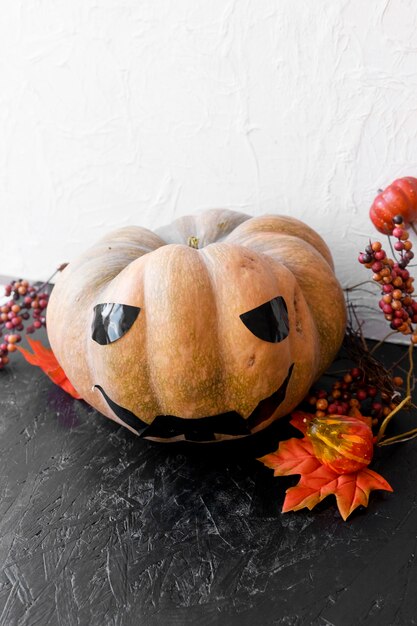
{"x": 100, "y": 528}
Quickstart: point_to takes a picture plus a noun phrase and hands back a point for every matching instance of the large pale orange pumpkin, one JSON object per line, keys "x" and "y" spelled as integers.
{"x": 208, "y": 329}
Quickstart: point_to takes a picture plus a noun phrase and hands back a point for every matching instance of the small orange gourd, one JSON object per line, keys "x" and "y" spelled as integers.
{"x": 399, "y": 198}
{"x": 343, "y": 444}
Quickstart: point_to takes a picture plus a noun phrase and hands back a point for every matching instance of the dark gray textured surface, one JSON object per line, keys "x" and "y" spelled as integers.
{"x": 100, "y": 528}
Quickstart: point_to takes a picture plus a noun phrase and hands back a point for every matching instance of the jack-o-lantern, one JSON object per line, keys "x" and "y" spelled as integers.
{"x": 208, "y": 329}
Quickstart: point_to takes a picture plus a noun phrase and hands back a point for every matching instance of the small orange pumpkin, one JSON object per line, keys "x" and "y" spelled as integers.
{"x": 208, "y": 329}
{"x": 343, "y": 444}
{"x": 399, "y": 198}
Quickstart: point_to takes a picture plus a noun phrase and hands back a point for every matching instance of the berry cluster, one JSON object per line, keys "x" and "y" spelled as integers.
{"x": 353, "y": 392}
{"x": 397, "y": 303}
{"x": 25, "y": 302}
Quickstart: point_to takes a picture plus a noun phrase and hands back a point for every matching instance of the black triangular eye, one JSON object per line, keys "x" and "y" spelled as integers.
{"x": 111, "y": 321}
{"x": 268, "y": 321}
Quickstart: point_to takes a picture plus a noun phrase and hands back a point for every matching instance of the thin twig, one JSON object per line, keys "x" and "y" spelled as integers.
{"x": 410, "y": 434}
{"x": 397, "y": 363}
{"x": 392, "y": 250}
{"x": 364, "y": 282}
{"x": 380, "y": 343}
{"x": 48, "y": 280}
{"x": 362, "y": 290}
{"x": 411, "y": 368}
{"x": 389, "y": 417}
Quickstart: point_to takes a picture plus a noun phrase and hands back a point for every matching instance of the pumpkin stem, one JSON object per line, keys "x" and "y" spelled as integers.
{"x": 193, "y": 242}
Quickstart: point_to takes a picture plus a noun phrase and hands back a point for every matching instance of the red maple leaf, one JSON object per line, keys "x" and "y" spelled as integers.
{"x": 46, "y": 360}
{"x": 296, "y": 456}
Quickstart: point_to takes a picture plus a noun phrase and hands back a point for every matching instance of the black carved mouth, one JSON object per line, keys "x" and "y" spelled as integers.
{"x": 201, "y": 428}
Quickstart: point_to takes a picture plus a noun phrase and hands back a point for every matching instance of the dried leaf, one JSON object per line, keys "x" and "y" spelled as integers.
{"x": 45, "y": 359}
{"x": 295, "y": 456}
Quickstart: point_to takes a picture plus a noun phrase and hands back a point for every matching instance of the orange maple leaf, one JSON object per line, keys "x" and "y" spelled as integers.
{"x": 296, "y": 456}
{"x": 45, "y": 359}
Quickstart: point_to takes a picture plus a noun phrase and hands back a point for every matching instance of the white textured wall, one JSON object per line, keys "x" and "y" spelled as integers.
{"x": 129, "y": 111}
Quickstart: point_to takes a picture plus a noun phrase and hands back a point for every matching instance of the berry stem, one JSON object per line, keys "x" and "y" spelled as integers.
{"x": 410, "y": 434}
{"x": 389, "y": 417}
{"x": 48, "y": 280}
{"x": 364, "y": 282}
{"x": 382, "y": 341}
{"x": 404, "y": 402}
{"x": 411, "y": 368}
{"x": 392, "y": 249}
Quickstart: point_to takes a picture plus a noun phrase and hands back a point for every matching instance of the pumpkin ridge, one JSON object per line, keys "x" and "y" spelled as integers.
{"x": 181, "y": 277}
{"x": 316, "y": 279}
{"x": 282, "y": 225}
{"x": 254, "y": 265}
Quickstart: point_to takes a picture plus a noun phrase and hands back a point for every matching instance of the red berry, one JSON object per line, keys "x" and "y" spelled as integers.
{"x": 377, "y": 266}
{"x": 361, "y": 395}
{"x": 396, "y": 323}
